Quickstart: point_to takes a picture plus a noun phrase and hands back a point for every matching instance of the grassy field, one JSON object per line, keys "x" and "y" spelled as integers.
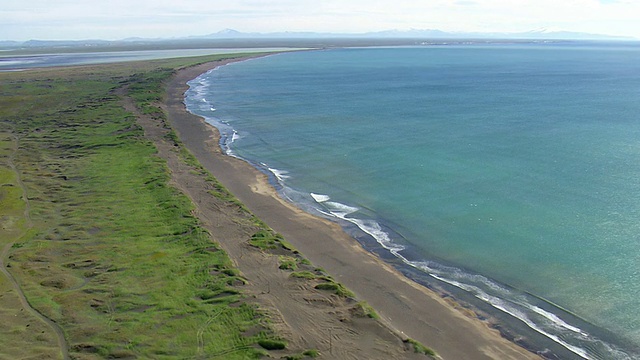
{"x": 96, "y": 238}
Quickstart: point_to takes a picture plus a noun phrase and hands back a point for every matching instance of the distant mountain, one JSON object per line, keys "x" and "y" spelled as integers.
{"x": 230, "y": 33}
{"x": 9, "y": 43}
{"x": 46, "y": 43}
{"x": 229, "y": 37}
{"x": 560, "y": 34}
{"x": 413, "y": 33}
{"x": 539, "y": 34}
{"x": 234, "y": 34}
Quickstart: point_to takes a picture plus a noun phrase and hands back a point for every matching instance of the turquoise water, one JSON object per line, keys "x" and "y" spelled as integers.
{"x": 509, "y": 171}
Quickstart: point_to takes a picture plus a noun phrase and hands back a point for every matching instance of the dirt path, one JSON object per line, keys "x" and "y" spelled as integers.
{"x": 306, "y": 317}
{"x": 62, "y": 342}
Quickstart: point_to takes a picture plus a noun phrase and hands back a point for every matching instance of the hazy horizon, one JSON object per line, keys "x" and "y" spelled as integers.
{"x": 383, "y": 35}
{"x": 119, "y": 19}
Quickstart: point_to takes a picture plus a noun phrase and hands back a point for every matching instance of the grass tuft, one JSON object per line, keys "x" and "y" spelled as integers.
{"x": 266, "y": 240}
{"x": 271, "y": 344}
{"x": 304, "y": 275}
{"x": 363, "y": 309}
{"x": 288, "y": 263}
{"x": 312, "y": 353}
{"x": 335, "y": 287}
{"x": 419, "y": 348}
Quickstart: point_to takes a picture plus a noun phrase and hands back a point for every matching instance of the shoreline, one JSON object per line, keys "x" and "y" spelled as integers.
{"x": 404, "y": 305}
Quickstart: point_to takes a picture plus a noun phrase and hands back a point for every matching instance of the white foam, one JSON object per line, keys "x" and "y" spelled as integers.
{"x": 504, "y": 306}
{"x": 446, "y": 275}
{"x": 375, "y": 230}
{"x": 325, "y": 213}
{"x": 235, "y": 136}
{"x": 281, "y": 175}
{"x": 340, "y": 210}
{"x": 319, "y": 197}
{"x": 555, "y": 319}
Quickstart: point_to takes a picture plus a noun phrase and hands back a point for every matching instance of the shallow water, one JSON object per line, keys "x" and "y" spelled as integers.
{"x": 508, "y": 171}
{"x": 24, "y": 62}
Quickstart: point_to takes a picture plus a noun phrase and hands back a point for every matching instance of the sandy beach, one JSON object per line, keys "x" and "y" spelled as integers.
{"x": 406, "y": 309}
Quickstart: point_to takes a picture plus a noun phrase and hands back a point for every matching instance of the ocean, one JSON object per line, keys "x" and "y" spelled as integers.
{"x": 506, "y": 174}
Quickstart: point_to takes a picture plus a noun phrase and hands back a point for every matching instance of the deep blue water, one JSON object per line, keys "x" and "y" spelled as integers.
{"x": 509, "y": 171}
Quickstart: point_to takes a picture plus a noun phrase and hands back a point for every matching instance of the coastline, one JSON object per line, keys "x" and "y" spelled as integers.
{"x": 411, "y": 309}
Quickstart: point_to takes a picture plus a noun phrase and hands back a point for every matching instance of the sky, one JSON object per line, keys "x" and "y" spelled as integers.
{"x": 118, "y": 19}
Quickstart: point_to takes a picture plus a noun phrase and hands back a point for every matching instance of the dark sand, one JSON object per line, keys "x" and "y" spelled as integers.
{"x": 407, "y": 308}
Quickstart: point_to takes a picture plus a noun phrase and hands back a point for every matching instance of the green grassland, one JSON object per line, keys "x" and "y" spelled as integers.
{"x": 111, "y": 253}
{"x": 25, "y": 329}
